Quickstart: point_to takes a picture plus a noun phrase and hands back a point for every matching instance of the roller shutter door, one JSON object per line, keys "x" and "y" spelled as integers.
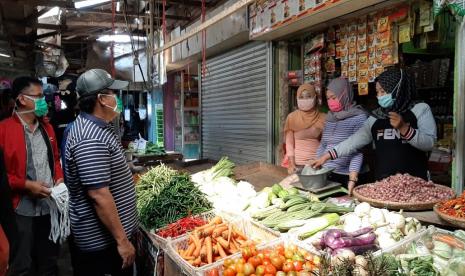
{"x": 236, "y": 105}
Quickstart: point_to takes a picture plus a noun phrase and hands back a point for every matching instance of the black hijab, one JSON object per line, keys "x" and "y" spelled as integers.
{"x": 397, "y": 82}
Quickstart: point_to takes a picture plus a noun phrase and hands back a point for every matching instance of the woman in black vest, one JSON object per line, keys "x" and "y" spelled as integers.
{"x": 402, "y": 131}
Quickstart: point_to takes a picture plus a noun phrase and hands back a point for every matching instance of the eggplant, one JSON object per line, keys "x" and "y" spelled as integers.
{"x": 358, "y": 249}
{"x": 344, "y": 242}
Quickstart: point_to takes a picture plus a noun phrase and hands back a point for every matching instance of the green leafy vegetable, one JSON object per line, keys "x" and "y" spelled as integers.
{"x": 165, "y": 196}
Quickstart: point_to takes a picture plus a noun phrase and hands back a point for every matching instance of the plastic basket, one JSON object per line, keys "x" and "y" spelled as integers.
{"x": 269, "y": 245}
{"x": 252, "y": 230}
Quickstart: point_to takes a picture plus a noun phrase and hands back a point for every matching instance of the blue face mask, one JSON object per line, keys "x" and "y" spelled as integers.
{"x": 386, "y": 101}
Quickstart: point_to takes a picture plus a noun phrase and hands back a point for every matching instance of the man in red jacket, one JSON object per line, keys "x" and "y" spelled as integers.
{"x": 33, "y": 167}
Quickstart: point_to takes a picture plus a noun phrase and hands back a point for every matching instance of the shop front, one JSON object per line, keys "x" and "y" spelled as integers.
{"x": 358, "y": 40}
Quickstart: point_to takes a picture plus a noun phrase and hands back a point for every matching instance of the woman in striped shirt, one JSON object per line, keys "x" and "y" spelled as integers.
{"x": 303, "y": 128}
{"x": 343, "y": 120}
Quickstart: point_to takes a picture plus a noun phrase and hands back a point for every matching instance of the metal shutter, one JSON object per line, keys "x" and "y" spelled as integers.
{"x": 236, "y": 105}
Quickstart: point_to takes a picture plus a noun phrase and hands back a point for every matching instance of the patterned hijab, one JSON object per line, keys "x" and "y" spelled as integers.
{"x": 397, "y": 82}
{"x": 344, "y": 93}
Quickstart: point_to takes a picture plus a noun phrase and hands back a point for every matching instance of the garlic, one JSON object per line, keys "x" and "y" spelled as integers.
{"x": 396, "y": 220}
{"x": 363, "y": 209}
{"x": 376, "y": 216}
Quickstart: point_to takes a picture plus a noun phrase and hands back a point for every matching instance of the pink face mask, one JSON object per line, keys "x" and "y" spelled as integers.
{"x": 335, "y": 105}
{"x": 306, "y": 104}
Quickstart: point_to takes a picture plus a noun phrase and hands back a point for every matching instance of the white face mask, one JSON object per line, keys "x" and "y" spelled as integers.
{"x": 114, "y": 108}
{"x": 306, "y": 104}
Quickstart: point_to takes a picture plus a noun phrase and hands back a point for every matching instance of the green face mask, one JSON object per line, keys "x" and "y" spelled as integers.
{"x": 118, "y": 108}
{"x": 41, "y": 107}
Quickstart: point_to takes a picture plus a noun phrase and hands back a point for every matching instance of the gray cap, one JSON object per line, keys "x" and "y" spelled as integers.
{"x": 95, "y": 80}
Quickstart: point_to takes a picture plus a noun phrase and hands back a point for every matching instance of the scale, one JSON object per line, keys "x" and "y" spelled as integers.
{"x": 316, "y": 184}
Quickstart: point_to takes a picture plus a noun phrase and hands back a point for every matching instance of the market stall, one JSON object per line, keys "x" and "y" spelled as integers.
{"x": 225, "y": 225}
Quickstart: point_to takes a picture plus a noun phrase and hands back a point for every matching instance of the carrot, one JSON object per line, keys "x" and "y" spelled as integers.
{"x": 217, "y": 258}
{"x": 229, "y": 232}
{"x": 191, "y": 258}
{"x": 239, "y": 233}
{"x": 208, "y": 231}
{"x": 197, "y": 261}
{"x": 241, "y": 242}
{"x": 225, "y": 244}
{"x": 221, "y": 251}
{"x": 191, "y": 262}
{"x": 196, "y": 240}
{"x": 215, "y": 249}
{"x": 216, "y": 220}
{"x": 219, "y": 230}
{"x": 203, "y": 252}
{"x": 208, "y": 245}
{"x": 197, "y": 249}
{"x": 449, "y": 240}
{"x": 225, "y": 235}
{"x": 190, "y": 250}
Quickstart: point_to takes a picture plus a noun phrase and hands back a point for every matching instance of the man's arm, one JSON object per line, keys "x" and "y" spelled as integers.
{"x": 105, "y": 208}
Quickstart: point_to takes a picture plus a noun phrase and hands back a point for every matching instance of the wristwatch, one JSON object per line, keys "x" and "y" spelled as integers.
{"x": 355, "y": 180}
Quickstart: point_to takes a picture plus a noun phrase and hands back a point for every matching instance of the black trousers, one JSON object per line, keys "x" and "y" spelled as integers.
{"x": 106, "y": 262}
{"x": 36, "y": 255}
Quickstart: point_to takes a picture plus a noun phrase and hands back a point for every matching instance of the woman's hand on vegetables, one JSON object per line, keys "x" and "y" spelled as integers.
{"x": 351, "y": 186}
{"x": 316, "y": 164}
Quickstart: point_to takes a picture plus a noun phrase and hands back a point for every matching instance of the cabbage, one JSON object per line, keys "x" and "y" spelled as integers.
{"x": 245, "y": 189}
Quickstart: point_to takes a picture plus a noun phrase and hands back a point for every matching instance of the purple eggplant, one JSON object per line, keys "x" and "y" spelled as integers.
{"x": 360, "y": 232}
{"x": 357, "y": 249}
{"x": 341, "y": 242}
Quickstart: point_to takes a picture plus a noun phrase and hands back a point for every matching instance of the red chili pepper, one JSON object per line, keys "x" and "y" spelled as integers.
{"x": 180, "y": 227}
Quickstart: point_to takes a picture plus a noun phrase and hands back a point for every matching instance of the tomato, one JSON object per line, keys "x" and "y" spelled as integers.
{"x": 266, "y": 262}
{"x": 261, "y": 256}
{"x": 246, "y": 253}
{"x": 240, "y": 274}
{"x": 260, "y": 270}
{"x": 255, "y": 261}
{"x": 304, "y": 273}
{"x": 239, "y": 267}
{"x": 248, "y": 269}
{"x": 280, "y": 273}
{"x": 233, "y": 267}
{"x": 308, "y": 266}
{"x": 270, "y": 269}
{"x": 288, "y": 254}
{"x": 296, "y": 257}
{"x": 292, "y": 273}
{"x": 213, "y": 272}
{"x": 277, "y": 262}
{"x": 280, "y": 249}
{"x": 240, "y": 261}
{"x": 308, "y": 257}
{"x": 268, "y": 274}
{"x": 288, "y": 266}
{"x": 229, "y": 272}
{"x": 228, "y": 262}
{"x": 298, "y": 265}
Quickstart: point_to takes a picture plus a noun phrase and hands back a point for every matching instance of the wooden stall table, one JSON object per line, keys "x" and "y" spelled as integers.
{"x": 149, "y": 159}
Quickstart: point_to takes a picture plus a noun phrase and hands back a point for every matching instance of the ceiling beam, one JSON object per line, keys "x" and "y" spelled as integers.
{"x": 47, "y": 34}
{"x": 36, "y": 14}
{"x": 49, "y": 26}
{"x": 168, "y": 16}
{"x": 91, "y": 23}
{"x": 47, "y": 3}
{"x": 191, "y": 3}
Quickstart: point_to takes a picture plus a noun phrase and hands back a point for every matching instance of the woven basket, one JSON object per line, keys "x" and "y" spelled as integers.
{"x": 392, "y": 205}
{"x": 251, "y": 230}
{"x": 459, "y": 222}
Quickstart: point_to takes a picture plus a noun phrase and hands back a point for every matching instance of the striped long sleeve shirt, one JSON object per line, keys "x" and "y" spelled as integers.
{"x": 337, "y": 132}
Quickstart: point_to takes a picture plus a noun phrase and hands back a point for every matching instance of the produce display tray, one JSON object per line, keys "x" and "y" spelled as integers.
{"x": 392, "y": 205}
{"x": 270, "y": 245}
{"x": 450, "y": 219}
{"x": 251, "y": 230}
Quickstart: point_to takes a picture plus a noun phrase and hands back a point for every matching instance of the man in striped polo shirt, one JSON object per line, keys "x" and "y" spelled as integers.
{"x": 102, "y": 193}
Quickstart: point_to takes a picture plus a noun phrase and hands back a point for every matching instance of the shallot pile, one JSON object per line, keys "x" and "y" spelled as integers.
{"x": 405, "y": 188}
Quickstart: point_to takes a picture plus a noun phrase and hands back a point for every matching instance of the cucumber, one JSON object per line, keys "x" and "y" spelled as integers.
{"x": 293, "y": 191}
{"x": 264, "y": 214}
{"x": 276, "y": 189}
{"x": 295, "y": 201}
{"x": 299, "y": 207}
{"x": 289, "y": 197}
{"x": 283, "y": 194}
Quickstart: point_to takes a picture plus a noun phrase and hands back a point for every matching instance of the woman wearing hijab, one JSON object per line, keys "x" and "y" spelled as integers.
{"x": 403, "y": 132}
{"x": 303, "y": 128}
{"x": 344, "y": 119}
